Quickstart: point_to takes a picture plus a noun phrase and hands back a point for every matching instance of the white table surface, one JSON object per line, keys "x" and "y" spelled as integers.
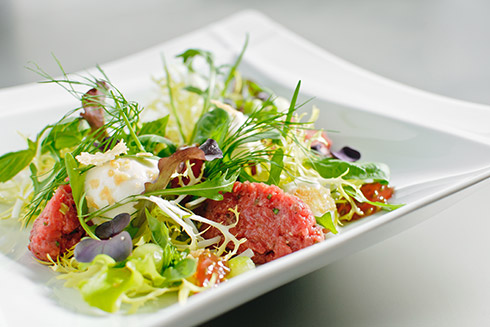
{"x": 435, "y": 274}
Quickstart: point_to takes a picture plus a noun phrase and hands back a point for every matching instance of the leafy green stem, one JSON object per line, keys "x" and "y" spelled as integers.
{"x": 292, "y": 107}
{"x": 207, "y": 96}
{"x": 82, "y": 221}
{"x": 233, "y": 69}
{"x": 171, "y": 99}
{"x": 131, "y": 131}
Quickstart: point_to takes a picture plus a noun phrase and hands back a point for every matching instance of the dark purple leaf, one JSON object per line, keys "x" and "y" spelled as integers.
{"x": 118, "y": 247}
{"x": 113, "y": 226}
{"x": 347, "y": 154}
{"x": 211, "y": 150}
{"x": 93, "y": 106}
{"x": 168, "y": 165}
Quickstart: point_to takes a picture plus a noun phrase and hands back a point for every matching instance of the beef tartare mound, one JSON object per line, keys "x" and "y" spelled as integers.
{"x": 274, "y": 223}
{"x": 57, "y": 228}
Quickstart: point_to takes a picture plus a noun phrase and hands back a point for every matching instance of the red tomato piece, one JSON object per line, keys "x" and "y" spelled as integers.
{"x": 209, "y": 264}
{"x": 375, "y": 192}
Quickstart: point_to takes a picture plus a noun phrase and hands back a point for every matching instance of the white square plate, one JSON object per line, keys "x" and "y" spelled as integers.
{"x": 424, "y": 138}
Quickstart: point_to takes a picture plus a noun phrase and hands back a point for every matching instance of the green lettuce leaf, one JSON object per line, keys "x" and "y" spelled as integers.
{"x": 148, "y": 259}
{"x": 105, "y": 288}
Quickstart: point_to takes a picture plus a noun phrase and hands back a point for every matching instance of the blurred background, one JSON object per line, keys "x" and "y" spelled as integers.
{"x": 427, "y": 276}
{"x": 437, "y": 45}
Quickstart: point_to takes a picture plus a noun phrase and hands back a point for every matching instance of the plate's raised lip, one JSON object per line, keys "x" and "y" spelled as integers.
{"x": 275, "y": 268}
{"x": 177, "y": 314}
{"x": 372, "y": 92}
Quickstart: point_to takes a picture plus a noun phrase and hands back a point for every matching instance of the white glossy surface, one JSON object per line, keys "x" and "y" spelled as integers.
{"x": 366, "y": 311}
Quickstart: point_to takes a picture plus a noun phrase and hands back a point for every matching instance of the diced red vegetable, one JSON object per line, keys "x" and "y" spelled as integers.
{"x": 374, "y": 192}
{"x": 210, "y": 265}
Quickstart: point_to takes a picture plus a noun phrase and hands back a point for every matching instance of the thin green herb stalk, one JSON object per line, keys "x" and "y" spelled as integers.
{"x": 171, "y": 99}
{"x": 213, "y": 73}
{"x": 292, "y": 106}
{"x": 82, "y": 220}
{"x": 207, "y": 98}
{"x": 256, "y": 127}
{"x": 123, "y": 114}
{"x": 131, "y": 131}
{"x": 233, "y": 69}
{"x": 210, "y": 90}
{"x": 56, "y": 178}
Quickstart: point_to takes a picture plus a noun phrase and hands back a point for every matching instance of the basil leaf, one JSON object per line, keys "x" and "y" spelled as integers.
{"x": 67, "y": 140}
{"x": 154, "y": 142}
{"x": 13, "y": 162}
{"x": 332, "y": 168}
{"x": 63, "y": 135}
{"x": 212, "y": 125}
{"x": 156, "y": 127}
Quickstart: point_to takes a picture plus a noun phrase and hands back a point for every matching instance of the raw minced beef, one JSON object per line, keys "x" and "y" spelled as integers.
{"x": 57, "y": 228}
{"x": 274, "y": 223}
